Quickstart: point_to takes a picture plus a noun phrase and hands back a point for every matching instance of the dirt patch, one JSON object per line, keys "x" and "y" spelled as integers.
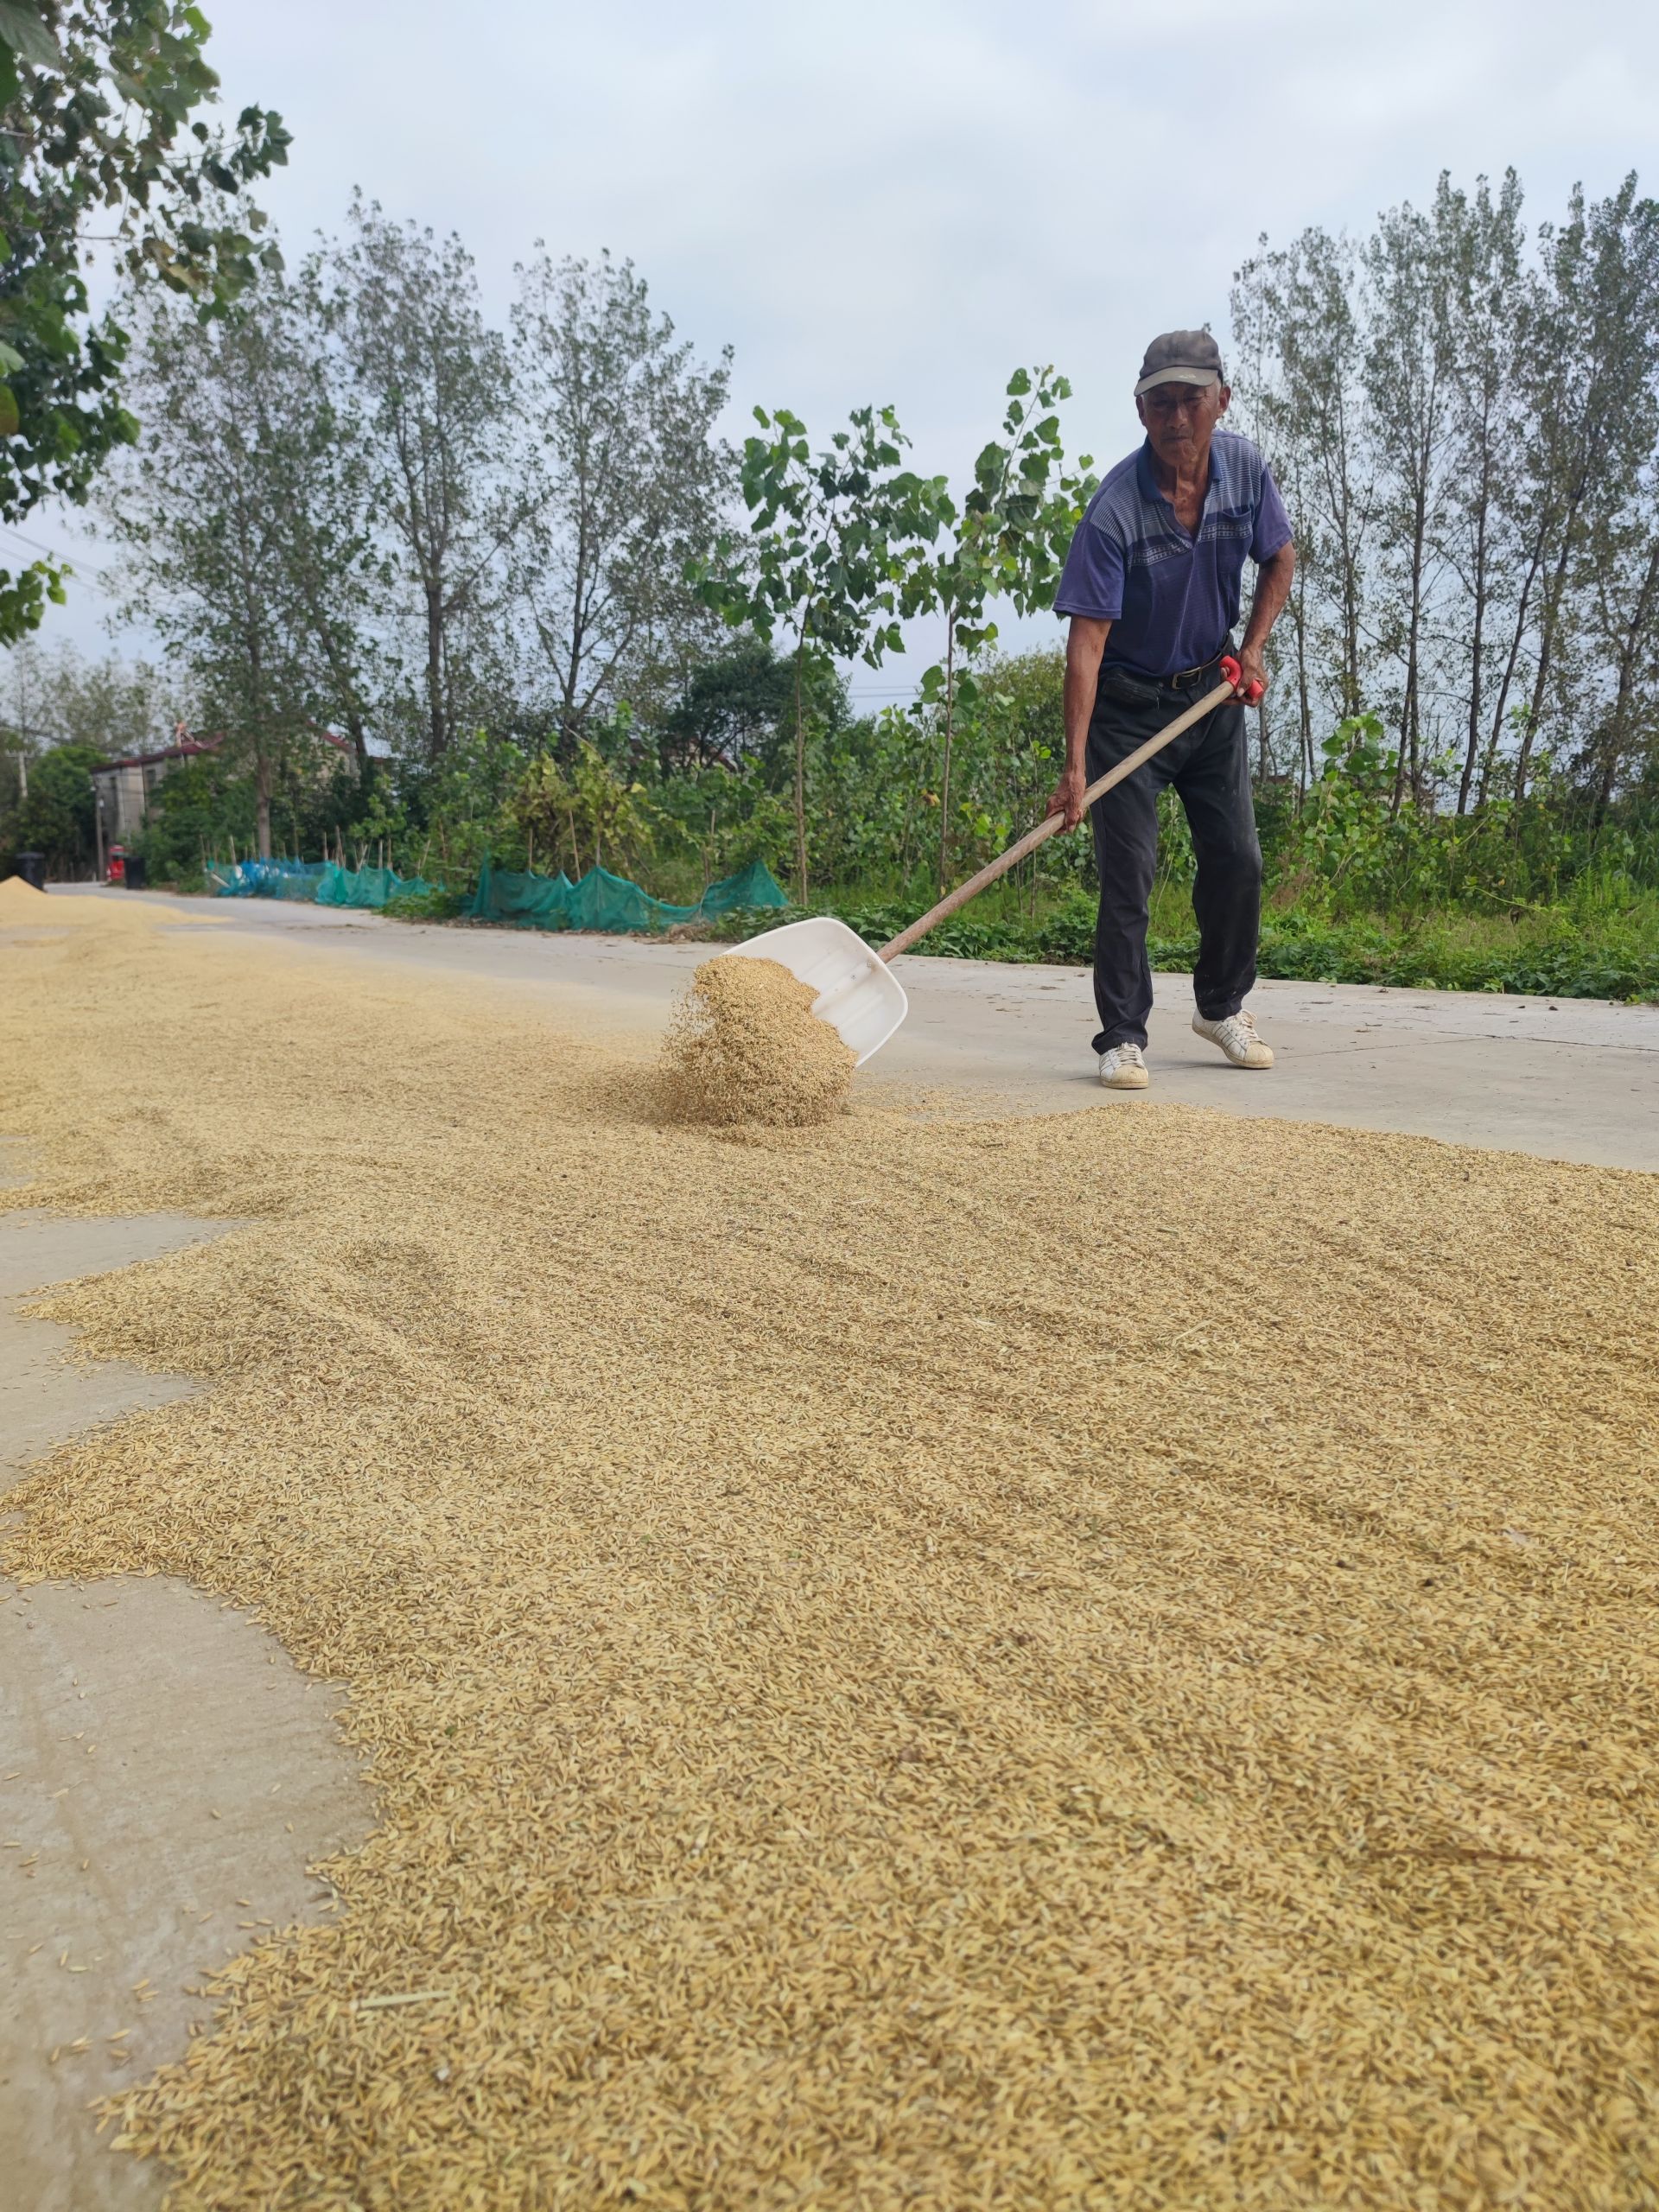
{"x": 1105, "y": 1660}
{"x": 744, "y": 1046}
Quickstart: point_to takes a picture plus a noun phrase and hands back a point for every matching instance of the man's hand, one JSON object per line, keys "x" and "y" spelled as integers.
{"x": 1068, "y": 796}
{"x": 1251, "y": 670}
{"x": 1085, "y": 643}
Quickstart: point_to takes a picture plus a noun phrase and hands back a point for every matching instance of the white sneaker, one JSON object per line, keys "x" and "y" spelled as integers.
{"x": 1236, "y": 1036}
{"x": 1122, "y": 1067}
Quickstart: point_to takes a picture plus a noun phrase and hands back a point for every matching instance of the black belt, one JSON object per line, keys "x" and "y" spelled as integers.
{"x": 1187, "y": 679}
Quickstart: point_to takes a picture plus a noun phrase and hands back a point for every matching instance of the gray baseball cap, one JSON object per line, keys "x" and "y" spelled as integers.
{"x": 1181, "y": 357}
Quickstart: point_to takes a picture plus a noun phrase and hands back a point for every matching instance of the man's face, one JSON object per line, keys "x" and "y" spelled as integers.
{"x": 1180, "y": 417}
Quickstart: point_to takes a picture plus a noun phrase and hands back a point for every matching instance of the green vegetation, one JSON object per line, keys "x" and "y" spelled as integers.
{"x": 100, "y": 116}
{"x": 434, "y": 593}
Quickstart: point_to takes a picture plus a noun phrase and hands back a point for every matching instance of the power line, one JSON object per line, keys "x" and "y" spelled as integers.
{"x": 87, "y": 570}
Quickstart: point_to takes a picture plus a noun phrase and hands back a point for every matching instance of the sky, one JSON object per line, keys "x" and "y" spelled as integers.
{"x": 904, "y": 201}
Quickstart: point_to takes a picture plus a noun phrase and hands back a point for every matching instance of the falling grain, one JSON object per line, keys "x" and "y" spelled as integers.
{"x": 745, "y": 1046}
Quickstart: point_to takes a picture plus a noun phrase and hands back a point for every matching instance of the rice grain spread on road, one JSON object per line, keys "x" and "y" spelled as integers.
{"x": 1103, "y": 1661}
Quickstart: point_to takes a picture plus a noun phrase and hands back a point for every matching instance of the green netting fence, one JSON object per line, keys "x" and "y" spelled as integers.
{"x": 266, "y": 879}
{"x": 600, "y": 900}
{"x": 366, "y": 887}
{"x": 320, "y": 883}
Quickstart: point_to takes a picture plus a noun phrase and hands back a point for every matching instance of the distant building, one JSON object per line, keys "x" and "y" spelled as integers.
{"x": 122, "y": 788}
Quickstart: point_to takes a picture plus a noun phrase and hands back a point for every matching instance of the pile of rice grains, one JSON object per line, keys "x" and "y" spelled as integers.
{"x": 1097, "y": 1661}
{"x": 21, "y": 905}
{"x": 745, "y": 1046}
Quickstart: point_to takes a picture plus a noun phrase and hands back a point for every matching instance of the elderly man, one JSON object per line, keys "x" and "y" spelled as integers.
{"x": 1152, "y": 588}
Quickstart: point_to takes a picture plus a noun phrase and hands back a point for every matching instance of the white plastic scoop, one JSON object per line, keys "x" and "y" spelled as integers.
{"x": 859, "y": 995}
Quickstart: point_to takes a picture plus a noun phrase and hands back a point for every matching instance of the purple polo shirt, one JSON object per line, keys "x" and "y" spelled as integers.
{"x": 1172, "y": 599}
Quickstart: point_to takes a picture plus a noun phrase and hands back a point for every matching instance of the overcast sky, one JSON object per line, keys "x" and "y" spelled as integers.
{"x": 901, "y": 201}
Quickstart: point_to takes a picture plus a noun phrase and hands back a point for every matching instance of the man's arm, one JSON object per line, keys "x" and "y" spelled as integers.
{"x": 1085, "y": 643}
{"x": 1273, "y": 583}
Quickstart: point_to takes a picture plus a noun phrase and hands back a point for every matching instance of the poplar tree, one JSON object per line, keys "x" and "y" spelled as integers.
{"x": 621, "y": 479}
{"x": 433, "y": 386}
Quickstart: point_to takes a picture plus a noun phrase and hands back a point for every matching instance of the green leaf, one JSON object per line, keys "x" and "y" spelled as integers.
{"x": 10, "y": 359}
{"x": 990, "y": 464}
{"x": 10, "y": 420}
{"x": 21, "y": 29}
{"x": 1018, "y": 384}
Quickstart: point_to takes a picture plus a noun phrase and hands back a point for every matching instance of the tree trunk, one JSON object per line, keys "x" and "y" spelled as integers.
{"x": 359, "y": 738}
{"x": 1477, "y": 648}
{"x": 1304, "y": 708}
{"x": 1410, "y": 720}
{"x": 1546, "y": 643}
{"x": 800, "y": 771}
{"x": 944, "y": 779}
{"x": 1519, "y": 633}
{"x": 1630, "y": 657}
{"x": 436, "y": 710}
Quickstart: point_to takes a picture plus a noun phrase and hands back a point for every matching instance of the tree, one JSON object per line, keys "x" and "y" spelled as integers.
{"x": 577, "y": 817}
{"x": 731, "y": 709}
{"x": 98, "y": 98}
{"x": 1300, "y": 313}
{"x": 435, "y": 393}
{"x": 622, "y": 482}
{"x": 1007, "y": 540}
{"x": 1470, "y": 527}
{"x": 1412, "y": 262}
{"x": 59, "y": 697}
{"x": 835, "y": 542}
{"x": 320, "y": 464}
{"x": 1621, "y": 620}
{"x": 1464, "y": 422}
{"x": 1589, "y": 341}
{"x": 56, "y": 818}
{"x": 200, "y": 516}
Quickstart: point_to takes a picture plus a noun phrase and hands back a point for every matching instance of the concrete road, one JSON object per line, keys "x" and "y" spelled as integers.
{"x": 1570, "y": 1078}
{"x": 167, "y": 1776}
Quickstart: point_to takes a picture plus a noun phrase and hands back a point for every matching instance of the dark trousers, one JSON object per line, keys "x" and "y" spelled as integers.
{"x": 1210, "y": 767}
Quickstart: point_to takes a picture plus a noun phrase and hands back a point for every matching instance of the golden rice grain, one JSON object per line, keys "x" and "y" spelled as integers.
{"x": 745, "y": 1046}
{"x": 21, "y": 903}
{"x": 1095, "y": 1662}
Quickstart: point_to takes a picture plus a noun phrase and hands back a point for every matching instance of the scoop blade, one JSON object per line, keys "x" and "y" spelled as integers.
{"x": 858, "y": 995}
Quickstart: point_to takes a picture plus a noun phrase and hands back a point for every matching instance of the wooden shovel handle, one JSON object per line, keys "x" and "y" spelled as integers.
{"x": 989, "y": 874}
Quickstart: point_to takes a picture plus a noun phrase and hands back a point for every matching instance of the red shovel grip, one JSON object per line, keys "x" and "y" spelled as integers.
{"x": 1232, "y": 672}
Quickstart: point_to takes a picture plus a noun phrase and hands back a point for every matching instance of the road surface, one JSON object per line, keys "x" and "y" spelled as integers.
{"x": 1568, "y": 1078}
